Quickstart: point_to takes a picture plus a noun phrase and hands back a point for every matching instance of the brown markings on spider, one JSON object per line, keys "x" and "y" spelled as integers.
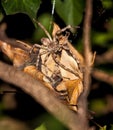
{"x": 60, "y": 64}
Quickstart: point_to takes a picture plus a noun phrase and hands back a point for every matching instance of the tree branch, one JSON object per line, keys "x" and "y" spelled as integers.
{"x": 87, "y": 59}
{"x": 41, "y": 94}
{"x": 87, "y": 46}
{"x": 102, "y": 76}
{"x": 107, "y": 57}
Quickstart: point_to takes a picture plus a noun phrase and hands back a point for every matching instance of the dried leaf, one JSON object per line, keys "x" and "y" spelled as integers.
{"x": 61, "y": 66}
{"x": 17, "y": 55}
{"x": 56, "y": 63}
{"x": 56, "y": 28}
{"x": 32, "y": 70}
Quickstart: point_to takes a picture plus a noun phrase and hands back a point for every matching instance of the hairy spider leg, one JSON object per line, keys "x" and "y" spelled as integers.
{"x": 66, "y": 48}
{"x": 64, "y": 67}
{"x": 63, "y": 29}
{"x": 43, "y": 28}
{"x": 45, "y": 60}
{"x": 39, "y": 62}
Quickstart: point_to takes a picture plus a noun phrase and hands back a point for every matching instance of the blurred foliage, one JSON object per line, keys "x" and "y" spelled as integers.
{"x": 111, "y": 127}
{"x": 98, "y": 106}
{"x": 107, "y": 4}
{"x": 103, "y": 128}
{"x": 41, "y": 127}
{"x": 73, "y": 8}
{"x": 104, "y": 38}
{"x": 51, "y": 123}
{"x": 68, "y": 12}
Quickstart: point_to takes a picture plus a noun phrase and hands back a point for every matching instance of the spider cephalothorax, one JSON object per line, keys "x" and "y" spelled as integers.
{"x": 59, "y": 65}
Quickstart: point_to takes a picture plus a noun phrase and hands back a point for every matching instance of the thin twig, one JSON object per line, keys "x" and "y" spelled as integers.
{"x": 41, "y": 94}
{"x": 102, "y": 76}
{"x": 107, "y": 57}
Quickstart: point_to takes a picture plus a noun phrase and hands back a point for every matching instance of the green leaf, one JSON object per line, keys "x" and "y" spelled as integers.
{"x": 29, "y": 7}
{"x": 70, "y": 11}
{"x": 103, "y": 128}
{"x": 41, "y": 127}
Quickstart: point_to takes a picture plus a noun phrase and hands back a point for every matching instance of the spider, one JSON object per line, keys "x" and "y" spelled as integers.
{"x": 52, "y": 47}
{"x": 55, "y": 59}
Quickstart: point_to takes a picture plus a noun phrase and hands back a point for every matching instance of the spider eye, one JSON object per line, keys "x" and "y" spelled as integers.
{"x": 45, "y": 41}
